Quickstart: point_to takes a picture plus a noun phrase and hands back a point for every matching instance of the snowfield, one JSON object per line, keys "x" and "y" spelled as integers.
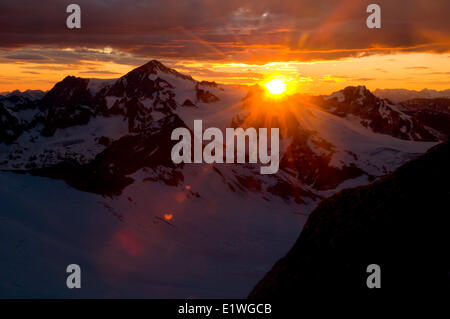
{"x": 127, "y": 248}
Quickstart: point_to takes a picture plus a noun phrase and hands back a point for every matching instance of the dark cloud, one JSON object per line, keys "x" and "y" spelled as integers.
{"x": 438, "y": 73}
{"x": 364, "y": 79}
{"x": 417, "y": 67}
{"x": 31, "y": 72}
{"x": 231, "y": 30}
{"x": 25, "y": 56}
{"x": 99, "y": 72}
{"x": 48, "y": 55}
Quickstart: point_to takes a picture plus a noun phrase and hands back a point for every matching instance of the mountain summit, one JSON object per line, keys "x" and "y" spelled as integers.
{"x": 155, "y": 66}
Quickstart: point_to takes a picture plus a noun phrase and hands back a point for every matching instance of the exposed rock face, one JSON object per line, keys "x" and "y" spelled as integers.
{"x": 397, "y": 222}
{"x": 108, "y": 173}
{"x": 204, "y": 95}
{"x": 10, "y": 127}
{"x": 434, "y": 113}
{"x": 17, "y": 113}
{"x": 67, "y": 104}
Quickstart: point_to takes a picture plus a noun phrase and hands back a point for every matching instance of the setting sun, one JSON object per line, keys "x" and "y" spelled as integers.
{"x": 276, "y": 86}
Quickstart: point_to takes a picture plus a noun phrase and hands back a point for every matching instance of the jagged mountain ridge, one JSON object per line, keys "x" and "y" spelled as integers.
{"x": 380, "y": 115}
{"x": 402, "y": 95}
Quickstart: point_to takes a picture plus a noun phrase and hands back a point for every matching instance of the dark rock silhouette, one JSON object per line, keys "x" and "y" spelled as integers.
{"x": 397, "y": 222}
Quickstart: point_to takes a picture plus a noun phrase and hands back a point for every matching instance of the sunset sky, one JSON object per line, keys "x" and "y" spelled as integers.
{"x": 320, "y": 46}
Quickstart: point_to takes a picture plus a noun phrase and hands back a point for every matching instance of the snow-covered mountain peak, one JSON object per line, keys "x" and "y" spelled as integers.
{"x": 156, "y": 67}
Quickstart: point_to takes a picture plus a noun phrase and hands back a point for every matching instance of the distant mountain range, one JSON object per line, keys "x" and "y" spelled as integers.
{"x": 111, "y": 139}
{"x": 27, "y": 94}
{"x": 401, "y": 95}
{"x": 395, "y": 95}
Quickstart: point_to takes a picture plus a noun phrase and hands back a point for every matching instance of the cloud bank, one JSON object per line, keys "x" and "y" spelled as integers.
{"x": 244, "y": 31}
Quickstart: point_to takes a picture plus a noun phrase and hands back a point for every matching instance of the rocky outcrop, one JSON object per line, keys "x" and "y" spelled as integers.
{"x": 67, "y": 104}
{"x": 433, "y": 113}
{"x": 10, "y": 127}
